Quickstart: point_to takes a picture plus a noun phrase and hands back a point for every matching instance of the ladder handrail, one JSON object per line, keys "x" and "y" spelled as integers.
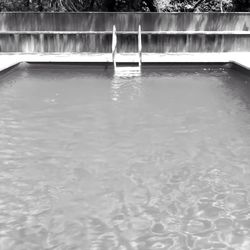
{"x": 114, "y": 45}
{"x": 139, "y": 45}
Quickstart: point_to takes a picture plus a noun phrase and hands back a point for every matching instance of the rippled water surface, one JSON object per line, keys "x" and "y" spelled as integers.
{"x": 95, "y": 161}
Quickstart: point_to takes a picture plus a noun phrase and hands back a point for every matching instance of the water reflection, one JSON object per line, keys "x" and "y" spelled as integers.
{"x": 167, "y": 169}
{"x": 126, "y": 82}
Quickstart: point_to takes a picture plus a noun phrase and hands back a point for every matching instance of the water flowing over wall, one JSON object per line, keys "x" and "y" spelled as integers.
{"x": 12, "y": 41}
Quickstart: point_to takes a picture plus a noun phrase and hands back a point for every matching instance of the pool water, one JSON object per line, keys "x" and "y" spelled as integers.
{"x": 94, "y": 160}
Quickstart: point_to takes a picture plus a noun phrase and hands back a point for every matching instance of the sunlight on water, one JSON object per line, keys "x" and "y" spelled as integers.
{"x": 94, "y": 160}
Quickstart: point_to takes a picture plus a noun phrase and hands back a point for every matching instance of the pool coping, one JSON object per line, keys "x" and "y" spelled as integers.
{"x": 240, "y": 60}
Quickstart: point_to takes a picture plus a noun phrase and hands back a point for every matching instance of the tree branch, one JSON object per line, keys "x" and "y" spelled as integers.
{"x": 197, "y": 5}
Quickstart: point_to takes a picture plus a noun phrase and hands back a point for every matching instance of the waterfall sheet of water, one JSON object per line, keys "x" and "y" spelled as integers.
{"x": 101, "y": 43}
{"x": 124, "y": 21}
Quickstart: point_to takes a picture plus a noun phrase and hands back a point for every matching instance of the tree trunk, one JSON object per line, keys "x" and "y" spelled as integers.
{"x": 221, "y": 5}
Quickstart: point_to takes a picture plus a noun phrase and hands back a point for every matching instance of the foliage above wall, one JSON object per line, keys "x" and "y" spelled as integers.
{"x": 125, "y": 5}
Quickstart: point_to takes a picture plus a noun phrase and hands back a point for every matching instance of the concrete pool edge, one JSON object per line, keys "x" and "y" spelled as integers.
{"x": 240, "y": 60}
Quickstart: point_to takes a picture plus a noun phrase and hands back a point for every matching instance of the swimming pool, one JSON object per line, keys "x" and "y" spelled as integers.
{"x": 90, "y": 159}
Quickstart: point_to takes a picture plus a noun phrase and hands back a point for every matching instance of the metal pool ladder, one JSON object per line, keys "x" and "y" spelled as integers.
{"x": 114, "y": 46}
